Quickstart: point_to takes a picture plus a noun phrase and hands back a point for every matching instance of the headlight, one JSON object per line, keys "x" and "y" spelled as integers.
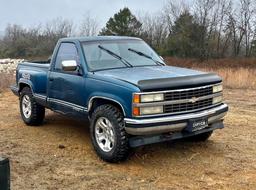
{"x": 217, "y": 99}
{"x": 217, "y": 88}
{"x": 151, "y": 110}
{"x": 152, "y": 98}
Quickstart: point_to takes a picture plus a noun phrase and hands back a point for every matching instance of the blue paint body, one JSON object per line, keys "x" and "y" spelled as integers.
{"x": 71, "y": 94}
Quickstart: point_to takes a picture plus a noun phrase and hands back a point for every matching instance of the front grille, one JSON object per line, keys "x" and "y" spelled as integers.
{"x": 187, "y": 106}
{"x": 187, "y": 94}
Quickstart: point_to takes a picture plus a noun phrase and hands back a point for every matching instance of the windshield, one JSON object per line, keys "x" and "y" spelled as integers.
{"x": 98, "y": 59}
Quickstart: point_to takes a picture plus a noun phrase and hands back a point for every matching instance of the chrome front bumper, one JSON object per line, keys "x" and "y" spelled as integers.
{"x": 175, "y": 123}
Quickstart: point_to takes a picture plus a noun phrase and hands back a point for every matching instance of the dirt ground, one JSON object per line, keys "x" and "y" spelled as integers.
{"x": 226, "y": 161}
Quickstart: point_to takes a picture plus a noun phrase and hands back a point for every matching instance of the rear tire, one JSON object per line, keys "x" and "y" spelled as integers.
{"x": 31, "y": 112}
{"x": 108, "y": 134}
{"x": 200, "y": 137}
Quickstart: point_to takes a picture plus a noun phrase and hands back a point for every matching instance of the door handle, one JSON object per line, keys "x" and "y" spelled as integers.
{"x": 51, "y": 79}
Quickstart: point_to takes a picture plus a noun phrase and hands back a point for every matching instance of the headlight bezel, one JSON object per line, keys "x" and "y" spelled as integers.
{"x": 151, "y": 110}
{"x": 140, "y": 98}
{"x": 217, "y": 100}
{"x": 217, "y": 88}
{"x": 146, "y": 98}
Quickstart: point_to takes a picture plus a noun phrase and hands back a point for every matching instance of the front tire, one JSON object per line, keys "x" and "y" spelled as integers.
{"x": 31, "y": 112}
{"x": 108, "y": 134}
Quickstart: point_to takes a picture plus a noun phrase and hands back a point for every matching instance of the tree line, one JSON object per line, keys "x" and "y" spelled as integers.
{"x": 200, "y": 29}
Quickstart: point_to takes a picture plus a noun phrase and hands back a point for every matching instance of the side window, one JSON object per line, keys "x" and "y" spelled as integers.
{"x": 67, "y": 51}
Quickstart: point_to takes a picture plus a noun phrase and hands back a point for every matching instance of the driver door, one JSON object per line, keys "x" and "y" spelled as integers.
{"x": 66, "y": 88}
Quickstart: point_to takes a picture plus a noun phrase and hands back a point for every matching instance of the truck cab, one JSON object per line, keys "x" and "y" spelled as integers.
{"x": 130, "y": 96}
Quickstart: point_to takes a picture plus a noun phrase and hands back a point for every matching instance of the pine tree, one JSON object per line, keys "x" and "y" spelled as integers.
{"x": 123, "y": 23}
{"x": 185, "y": 36}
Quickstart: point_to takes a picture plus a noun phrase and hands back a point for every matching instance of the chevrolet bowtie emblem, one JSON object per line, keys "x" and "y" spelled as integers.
{"x": 193, "y": 100}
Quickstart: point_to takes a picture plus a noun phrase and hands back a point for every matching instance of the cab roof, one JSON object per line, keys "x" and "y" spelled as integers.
{"x": 98, "y": 38}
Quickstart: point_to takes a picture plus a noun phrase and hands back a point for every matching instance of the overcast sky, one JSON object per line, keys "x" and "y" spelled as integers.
{"x": 32, "y": 12}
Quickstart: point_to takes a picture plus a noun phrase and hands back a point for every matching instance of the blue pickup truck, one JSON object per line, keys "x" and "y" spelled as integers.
{"x": 130, "y": 96}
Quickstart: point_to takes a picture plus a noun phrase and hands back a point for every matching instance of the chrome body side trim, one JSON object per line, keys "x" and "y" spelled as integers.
{"x": 68, "y": 104}
{"x": 176, "y": 117}
{"x": 102, "y": 97}
{"x": 39, "y": 96}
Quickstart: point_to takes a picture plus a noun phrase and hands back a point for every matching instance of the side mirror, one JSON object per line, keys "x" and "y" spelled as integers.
{"x": 69, "y": 65}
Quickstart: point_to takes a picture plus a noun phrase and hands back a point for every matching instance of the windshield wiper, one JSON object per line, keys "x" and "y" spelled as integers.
{"x": 126, "y": 63}
{"x": 147, "y": 56}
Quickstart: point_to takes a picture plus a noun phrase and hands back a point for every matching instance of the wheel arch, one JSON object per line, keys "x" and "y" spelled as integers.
{"x": 96, "y": 101}
{"x": 23, "y": 84}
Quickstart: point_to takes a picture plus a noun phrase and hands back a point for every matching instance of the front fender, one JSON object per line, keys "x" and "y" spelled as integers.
{"x": 119, "y": 93}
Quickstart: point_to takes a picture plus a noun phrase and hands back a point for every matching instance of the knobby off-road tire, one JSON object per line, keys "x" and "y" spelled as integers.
{"x": 107, "y": 122}
{"x": 31, "y": 112}
{"x": 201, "y": 137}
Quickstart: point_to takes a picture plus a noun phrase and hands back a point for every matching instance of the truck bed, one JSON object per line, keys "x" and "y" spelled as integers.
{"x": 33, "y": 74}
{"x": 36, "y": 64}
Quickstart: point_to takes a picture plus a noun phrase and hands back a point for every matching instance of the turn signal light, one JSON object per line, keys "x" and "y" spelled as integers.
{"x": 136, "y": 98}
{"x": 136, "y": 111}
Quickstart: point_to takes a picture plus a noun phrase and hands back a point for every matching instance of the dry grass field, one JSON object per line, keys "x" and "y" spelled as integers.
{"x": 6, "y": 80}
{"x": 236, "y": 73}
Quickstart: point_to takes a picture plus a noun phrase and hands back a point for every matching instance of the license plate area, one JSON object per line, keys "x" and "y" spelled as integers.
{"x": 197, "y": 124}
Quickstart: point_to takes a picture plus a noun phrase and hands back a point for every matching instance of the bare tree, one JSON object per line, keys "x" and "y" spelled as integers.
{"x": 241, "y": 25}
{"x": 59, "y": 27}
{"x": 155, "y": 29}
{"x": 205, "y": 14}
{"x": 89, "y": 26}
{"x": 222, "y": 8}
{"x": 172, "y": 10}
{"x": 247, "y": 15}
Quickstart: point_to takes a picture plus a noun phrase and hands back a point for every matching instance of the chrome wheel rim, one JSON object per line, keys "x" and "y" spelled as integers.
{"x": 104, "y": 134}
{"x": 26, "y": 106}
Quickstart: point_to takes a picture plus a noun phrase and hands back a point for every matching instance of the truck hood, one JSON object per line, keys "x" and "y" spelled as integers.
{"x": 161, "y": 77}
